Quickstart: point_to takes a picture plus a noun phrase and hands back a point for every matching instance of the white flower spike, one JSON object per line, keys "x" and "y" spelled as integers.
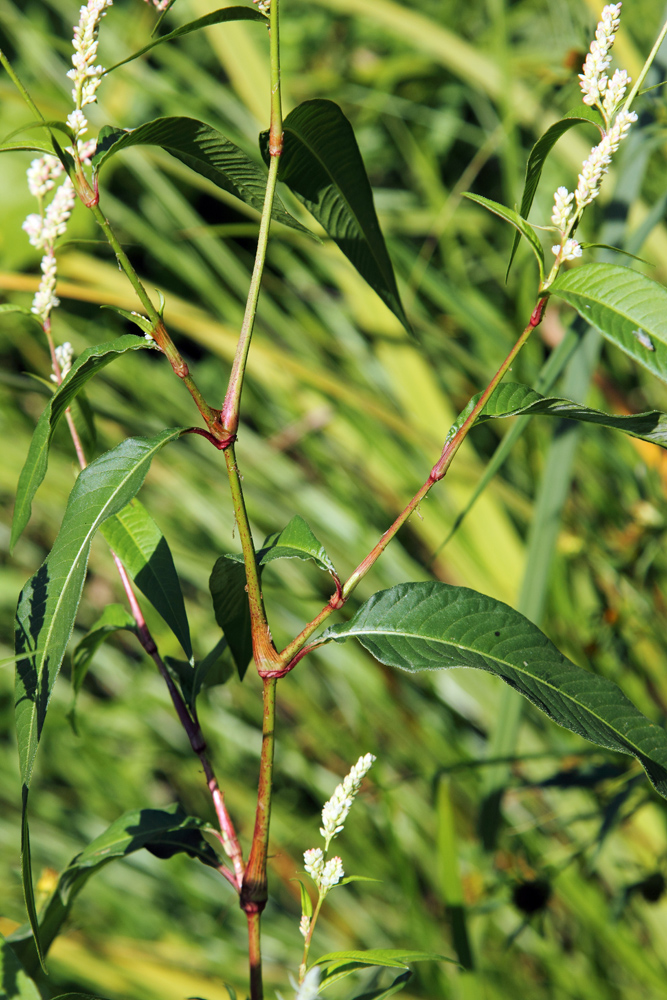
{"x": 336, "y": 809}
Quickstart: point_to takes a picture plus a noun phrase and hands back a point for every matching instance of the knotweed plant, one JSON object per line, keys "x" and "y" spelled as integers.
{"x": 413, "y": 626}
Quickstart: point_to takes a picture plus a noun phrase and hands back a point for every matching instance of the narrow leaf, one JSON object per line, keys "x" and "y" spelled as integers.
{"x": 142, "y": 548}
{"x": 32, "y": 474}
{"x": 322, "y": 165}
{"x": 539, "y": 153}
{"x": 427, "y": 626}
{"x": 516, "y": 220}
{"x": 511, "y": 399}
{"x": 206, "y": 151}
{"x": 49, "y": 601}
{"x": 217, "y": 17}
{"x": 628, "y": 308}
{"x": 163, "y": 832}
{"x": 227, "y": 584}
{"x": 113, "y": 618}
{"x": 395, "y": 987}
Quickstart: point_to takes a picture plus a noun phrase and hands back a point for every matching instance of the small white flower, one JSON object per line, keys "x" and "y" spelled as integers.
{"x": 615, "y": 91}
{"x": 331, "y": 875}
{"x": 78, "y": 122}
{"x": 64, "y": 355}
{"x": 596, "y": 166}
{"x": 313, "y": 861}
{"x": 304, "y": 925}
{"x": 336, "y": 809}
{"x": 160, "y": 5}
{"x": 593, "y": 79}
{"x": 263, "y": 5}
{"x": 85, "y": 74}
{"x": 45, "y": 297}
{"x": 42, "y": 174}
{"x": 569, "y": 251}
{"x": 562, "y": 208}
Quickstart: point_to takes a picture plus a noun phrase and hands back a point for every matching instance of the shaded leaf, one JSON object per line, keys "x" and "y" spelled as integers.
{"x": 395, "y": 987}
{"x": 343, "y": 963}
{"x": 516, "y": 220}
{"x": 539, "y": 153}
{"x": 15, "y": 984}
{"x": 142, "y": 548}
{"x": 164, "y": 832}
{"x": 322, "y": 165}
{"x": 227, "y": 584}
{"x": 113, "y": 618}
{"x": 34, "y": 469}
{"x": 427, "y": 626}
{"x": 49, "y": 601}
{"x": 206, "y": 151}
{"x": 511, "y": 399}
{"x": 216, "y": 17}
{"x": 628, "y": 308}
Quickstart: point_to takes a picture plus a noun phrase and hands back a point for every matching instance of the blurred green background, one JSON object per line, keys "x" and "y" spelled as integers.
{"x": 544, "y": 874}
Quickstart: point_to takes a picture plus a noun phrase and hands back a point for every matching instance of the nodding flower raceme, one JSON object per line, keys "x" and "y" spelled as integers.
{"x": 334, "y": 812}
{"x": 605, "y": 94}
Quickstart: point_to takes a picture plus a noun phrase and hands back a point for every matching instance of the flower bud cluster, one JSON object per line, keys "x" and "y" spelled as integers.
{"x": 160, "y": 5}
{"x": 85, "y": 75}
{"x": 45, "y": 297}
{"x": 263, "y": 5}
{"x": 325, "y": 874}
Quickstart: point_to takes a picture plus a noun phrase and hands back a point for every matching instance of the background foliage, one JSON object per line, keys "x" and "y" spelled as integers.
{"x": 559, "y": 892}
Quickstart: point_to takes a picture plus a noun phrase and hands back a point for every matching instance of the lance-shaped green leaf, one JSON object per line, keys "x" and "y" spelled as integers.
{"x": 114, "y": 618}
{"x": 321, "y": 163}
{"x": 49, "y": 601}
{"x": 395, "y": 987}
{"x": 206, "y": 151}
{"x": 539, "y": 153}
{"x": 142, "y": 548}
{"x": 295, "y": 541}
{"x": 511, "y": 399}
{"x": 216, "y": 17}
{"x": 15, "y": 984}
{"x": 34, "y": 469}
{"x": 427, "y": 626}
{"x": 519, "y": 223}
{"x": 163, "y": 832}
{"x": 628, "y": 308}
{"x": 339, "y": 964}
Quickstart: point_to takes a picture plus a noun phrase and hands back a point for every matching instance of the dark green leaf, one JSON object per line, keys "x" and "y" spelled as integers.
{"x": 230, "y": 605}
{"x": 539, "y": 153}
{"x": 395, "y": 987}
{"x": 217, "y": 17}
{"x": 144, "y": 324}
{"x": 516, "y": 220}
{"x": 206, "y": 151}
{"x": 15, "y": 984}
{"x": 88, "y": 364}
{"x": 142, "y": 548}
{"x": 113, "y": 618}
{"x": 628, "y": 308}
{"x": 343, "y": 963}
{"x": 322, "y": 165}
{"x": 49, "y": 601}
{"x": 511, "y": 399}
{"x": 164, "y": 832}
{"x": 427, "y": 626}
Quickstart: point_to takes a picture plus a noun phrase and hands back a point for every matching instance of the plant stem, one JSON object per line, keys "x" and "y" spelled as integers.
{"x": 232, "y": 403}
{"x": 254, "y": 890}
{"x": 163, "y": 340}
{"x": 296, "y": 649}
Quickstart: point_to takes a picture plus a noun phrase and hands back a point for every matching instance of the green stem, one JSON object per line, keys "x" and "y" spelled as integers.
{"x": 165, "y": 343}
{"x": 645, "y": 68}
{"x": 232, "y": 403}
{"x": 296, "y": 649}
{"x": 19, "y": 86}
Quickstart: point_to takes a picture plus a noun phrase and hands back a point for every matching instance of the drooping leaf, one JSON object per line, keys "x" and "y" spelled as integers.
{"x": 32, "y": 474}
{"x": 209, "y": 672}
{"x": 49, "y": 601}
{"x": 322, "y": 165}
{"x": 164, "y": 832}
{"x": 539, "y": 153}
{"x": 142, "y": 322}
{"x": 511, "y": 399}
{"x": 628, "y": 308}
{"x": 216, "y": 17}
{"x": 206, "y": 151}
{"x": 142, "y": 548}
{"x": 15, "y": 984}
{"x": 227, "y": 584}
{"x": 523, "y": 228}
{"x": 26, "y": 147}
{"x": 427, "y": 626}
{"x": 113, "y": 618}
{"x": 339, "y": 964}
